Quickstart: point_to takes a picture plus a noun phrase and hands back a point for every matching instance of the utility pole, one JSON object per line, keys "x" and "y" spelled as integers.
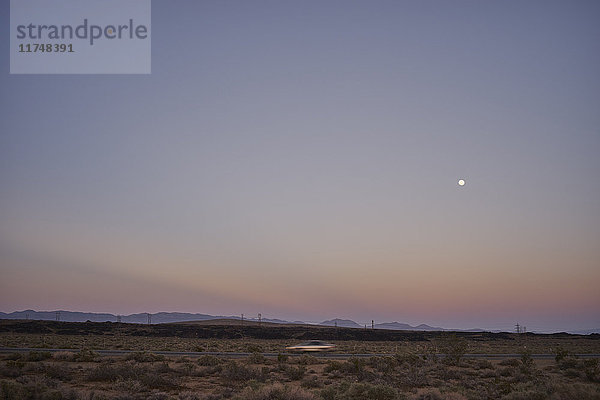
{"x": 372, "y": 324}
{"x": 58, "y": 315}
{"x": 242, "y": 318}
{"x": 518, "y": 328}
{"x": 259, "y": 319}
{"x": 149, "y": 318}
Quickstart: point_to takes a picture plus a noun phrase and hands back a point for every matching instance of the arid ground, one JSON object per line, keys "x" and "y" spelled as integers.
{"x": 408, "y": 365}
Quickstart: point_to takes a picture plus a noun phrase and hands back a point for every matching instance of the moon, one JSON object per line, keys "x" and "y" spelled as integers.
{"x": 461, "y": 182}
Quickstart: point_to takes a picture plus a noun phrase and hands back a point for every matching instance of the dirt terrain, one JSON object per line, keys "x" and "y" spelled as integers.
{"x": 408, "y": 365}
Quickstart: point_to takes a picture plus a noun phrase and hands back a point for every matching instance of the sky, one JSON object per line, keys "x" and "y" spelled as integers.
{"x": 300, "y": 159}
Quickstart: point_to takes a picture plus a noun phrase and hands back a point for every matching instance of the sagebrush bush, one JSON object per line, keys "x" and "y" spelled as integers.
{"x": 64, "y": 356}
{"x": 312, "y": 382}
{"x": 111, "y": 373}
{"x": 591, "y": 369}
{"x": 233, "y": 371}
{"x": 510, "y": 362}
{"x": 295, "y": 373}
{"x": 38, "y": 356}
{"x": 256, "y": 358}
{"x": 209, "y": 361}
{"x": 360, "y": 391}
{"x": 387, "y": 365}
{"x": 12, "y": 368}
{"x": 333, "y": 366}
{"x": 86, "y": 355}
{"x": 144, "y": 356}
{"x": 254, "y": 348}
{"x": 305, "y": 359}
{"x": 60, "y": 372}
{"x": 276, "y": 391}
{"x": 453, "y": 348}
{"x": 282, "y": 358}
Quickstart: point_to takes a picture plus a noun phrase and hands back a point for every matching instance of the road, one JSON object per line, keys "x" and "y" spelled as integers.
{"x": 341, "y": 356}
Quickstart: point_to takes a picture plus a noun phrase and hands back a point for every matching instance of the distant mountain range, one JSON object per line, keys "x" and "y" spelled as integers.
{"x": 342, "y": 323}
{"x": 347, "y": 323}
{"x": 166, "y": 317}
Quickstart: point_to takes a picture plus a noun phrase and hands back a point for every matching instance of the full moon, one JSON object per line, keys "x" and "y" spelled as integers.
{"x": 461, "y": 182}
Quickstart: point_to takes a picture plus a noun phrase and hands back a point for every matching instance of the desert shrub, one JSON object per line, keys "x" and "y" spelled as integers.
{"x": 312, "y": 382}
{"x": 489, "y": 373}
{"x": 164, "y": 368}
{"x": 430, "y": 394}
{"x": 527, "y": 363}
{"x": 568, "y": 363}
{"x": 232, "y": 371}
{"x": 256, "y": 358}
{"x": 35, "y": 387}
{"x": 277, "y": 392}
{"x": 111, "y": 373}
{"x": 254, "y": 348}
{"x": 295, "y": 373}
{"x": 129, "y": 385}
{"x": 38, "y": 356}
{"x": 189, "y": 396}
{"x": 305, "y": 359}
{"x": 560, "y": 354}
{"x": 282, "y": 358}
{"x": 591, "y": 369}
{"x": 386, "y": 365}
{"x": 86, "y": 355}
{"x": 365, "y": 391}
{"x": 158, "y": 396}
{"x": 154, "y": 380}
{"x": 12, "y": 368}
{"x": 354, "y": 365}
{"x": 453, "y": 348}
{"x": 144, "y": 356}
{"x": 446, "y": 373}
{"x": 510, "y": 362}
{"x": 484, "y": 364}
{"x": 209, "y": 361}
{"x": 64, "y": 356}
{"x": 11, "y": 390}
{"x": 329, "y": 393}
{"x": 574, "y": 391}
{"x": 526, "y": 392}
{"x": 60, "y": 372}
{"x": 408, "y": 358}
{"x": 413, "y": 377}
{"x": 333, "y": 366}
{"x": 13, "y": 356}
{"x": 359, "y": 391}
{"x": 206, "y": 371}
{"x": 435, "y": 394}
{"x": 187, "y": 369}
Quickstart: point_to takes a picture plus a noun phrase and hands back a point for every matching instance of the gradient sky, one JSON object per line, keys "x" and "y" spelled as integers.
{"x": 300, "y": 159}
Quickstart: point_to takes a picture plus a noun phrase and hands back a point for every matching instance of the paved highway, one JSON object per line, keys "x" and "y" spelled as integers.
{"x": 341, "y": 356}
